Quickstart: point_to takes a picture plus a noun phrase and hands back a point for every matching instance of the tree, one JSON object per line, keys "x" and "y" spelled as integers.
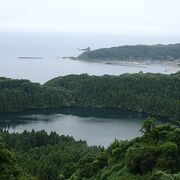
{"x": 148, "y": 126}
{"x": 9, "y": 169}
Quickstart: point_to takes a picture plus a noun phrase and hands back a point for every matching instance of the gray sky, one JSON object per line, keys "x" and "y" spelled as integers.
{"x": 102, "y": 16}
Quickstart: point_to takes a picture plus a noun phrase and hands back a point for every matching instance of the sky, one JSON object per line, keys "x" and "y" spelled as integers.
{"x": 90, "y": 16}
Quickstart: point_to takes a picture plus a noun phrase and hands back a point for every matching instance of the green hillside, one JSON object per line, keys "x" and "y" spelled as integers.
{"x": 155, "y": 94}
{"x": 169, "y": 52}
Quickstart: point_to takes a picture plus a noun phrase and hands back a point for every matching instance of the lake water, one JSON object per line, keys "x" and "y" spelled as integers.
{"x": 54, "y": 46}
{"x": 96, "y": 126}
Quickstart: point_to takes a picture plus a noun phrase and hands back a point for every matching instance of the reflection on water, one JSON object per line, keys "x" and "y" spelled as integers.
{"x": 96, "y": 126}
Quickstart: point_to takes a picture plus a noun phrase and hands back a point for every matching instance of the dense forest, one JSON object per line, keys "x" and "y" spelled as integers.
{"x": 134, "y": 53}
{"x": 155, "y": 94}
{"x": 41, "y": 156}
{"x": 17, "y": 95}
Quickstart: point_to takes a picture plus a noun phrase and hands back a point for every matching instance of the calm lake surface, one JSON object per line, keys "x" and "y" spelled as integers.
{"x": 52, "y": 47}
{"x": 96, "y": 126}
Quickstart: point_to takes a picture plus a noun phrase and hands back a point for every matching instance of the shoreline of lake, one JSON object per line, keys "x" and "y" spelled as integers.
{"x": 106, "y": 124}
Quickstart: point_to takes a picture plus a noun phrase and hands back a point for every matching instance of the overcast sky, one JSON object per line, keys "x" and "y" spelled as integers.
{"x": 102, "y": 16}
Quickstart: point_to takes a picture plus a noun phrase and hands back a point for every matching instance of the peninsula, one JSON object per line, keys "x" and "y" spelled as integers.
{"x": 135, "y": 53}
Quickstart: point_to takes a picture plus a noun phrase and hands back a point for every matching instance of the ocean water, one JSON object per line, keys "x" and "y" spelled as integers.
{"x": 52, "y": 47}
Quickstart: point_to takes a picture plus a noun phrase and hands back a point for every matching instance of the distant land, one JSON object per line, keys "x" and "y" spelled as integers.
{"x": 135, "y": 53}
{"x": 29, "y": 57}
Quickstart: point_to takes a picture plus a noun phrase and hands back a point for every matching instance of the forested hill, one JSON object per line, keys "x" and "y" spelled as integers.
{"x": 169, "y": 52}
{"x": 155, "y": 94}
{"x": 151, "y": 93}
{"x": 17, "y": 95}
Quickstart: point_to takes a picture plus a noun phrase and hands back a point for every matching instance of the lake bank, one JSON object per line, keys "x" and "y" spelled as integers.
{"x": 96, "y": 126}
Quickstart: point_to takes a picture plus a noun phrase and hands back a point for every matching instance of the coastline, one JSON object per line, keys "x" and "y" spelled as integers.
{"x": 140, "y": 64}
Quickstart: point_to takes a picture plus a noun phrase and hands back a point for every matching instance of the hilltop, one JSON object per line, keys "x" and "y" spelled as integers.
{"x": 133, "y": 53}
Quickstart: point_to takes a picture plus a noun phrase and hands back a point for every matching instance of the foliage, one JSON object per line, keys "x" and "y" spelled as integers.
{"x": 155, "y": 94}
{"x": 17, "y": 95}
{"x": 9, "y": 168}
{"x": 154, "y": 156}
{"x": 38, "y": 155}
{"x": 47, "y": 157}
